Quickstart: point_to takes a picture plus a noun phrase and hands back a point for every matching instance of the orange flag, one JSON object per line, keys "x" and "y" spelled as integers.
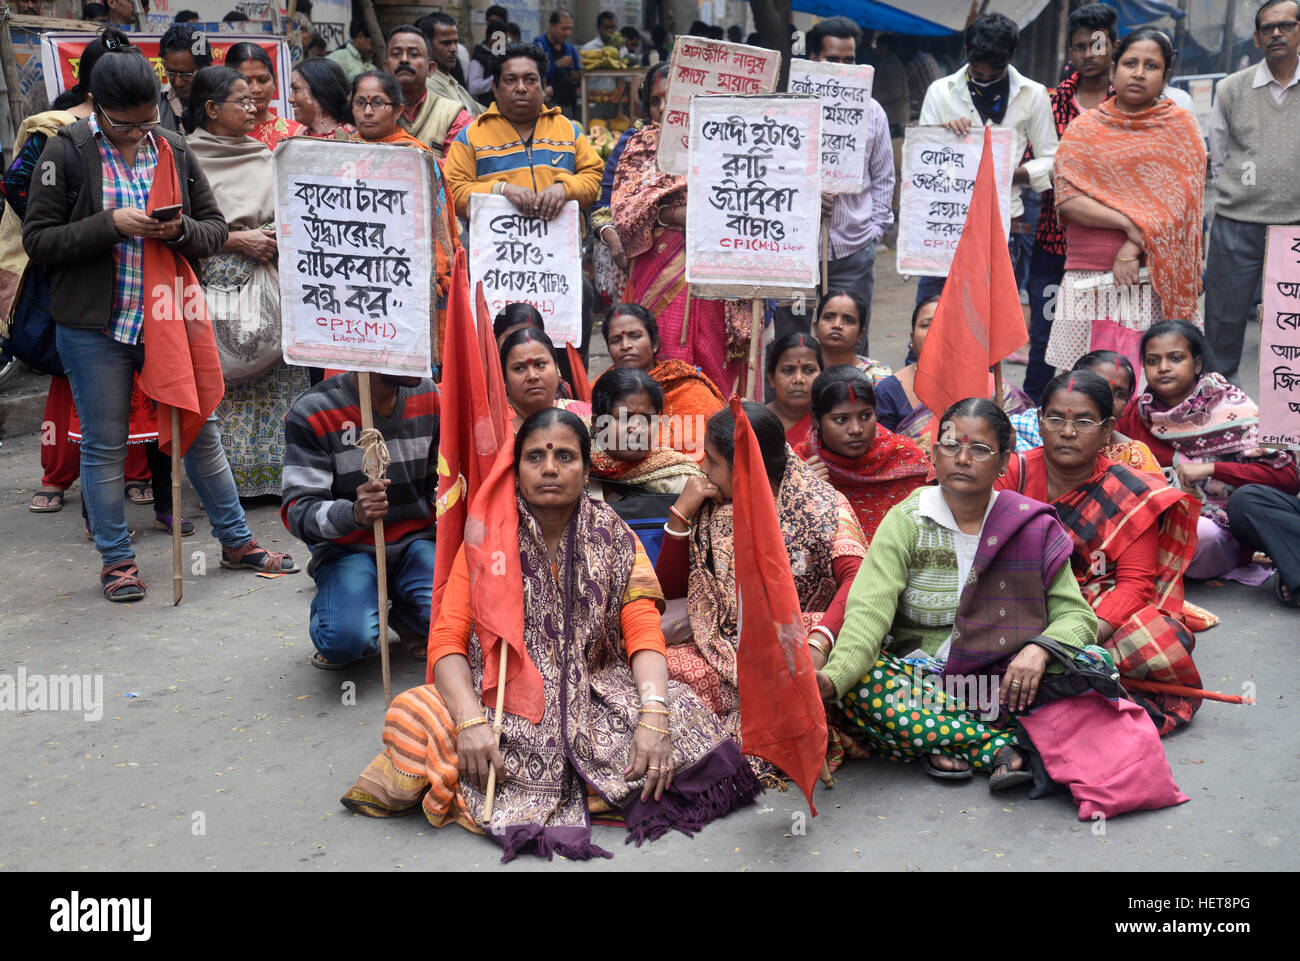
{"x": 182, "y": 368}
{"x": 581, "y": 385}
{"x": 496, "y": 382}
{"x": 469, "y": 437}
{"x": 781, "y": 715}
{"x": 978, "y": 320}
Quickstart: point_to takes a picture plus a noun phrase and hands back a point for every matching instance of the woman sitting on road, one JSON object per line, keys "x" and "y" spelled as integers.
{"x": 532, "y": 377}
{"x": 793, "y": 363}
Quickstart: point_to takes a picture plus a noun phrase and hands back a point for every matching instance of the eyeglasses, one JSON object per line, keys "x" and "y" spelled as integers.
{"x": 245, "y": 102}
{"x": 1284, "y": 27}
{"x": 364, "y": 105}
{"x": 1084, "y": 425}
{"x": 180, "y": 74}
{"x": 978, "y": 452}
{"x": 126, "y": 128}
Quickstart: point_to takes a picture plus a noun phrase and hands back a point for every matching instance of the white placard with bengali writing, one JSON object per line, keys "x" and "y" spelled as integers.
{"x": 353, "y": 228}
{"x": 522, "y": 258}
{"x": 937, "y": 181}
{"x": 698, "y": 67}
{"x": 845, "y": 93}
{"x": 754, "y": 220}
{"x": 1279, "y": 340}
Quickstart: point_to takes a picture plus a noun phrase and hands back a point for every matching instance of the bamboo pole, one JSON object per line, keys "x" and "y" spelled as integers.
{"x": 997, "y": 383}
{"x": 826, "y": 256}
{"x": 755, "y": 345}
{"x": 496, "y": 731}
{"x": 381, "y": 563}
{"x": 178, "y": 583}
{"x": 686, "y": 315}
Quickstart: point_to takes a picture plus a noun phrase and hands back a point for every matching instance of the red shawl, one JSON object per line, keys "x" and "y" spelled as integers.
{"x": 876, "y": 481}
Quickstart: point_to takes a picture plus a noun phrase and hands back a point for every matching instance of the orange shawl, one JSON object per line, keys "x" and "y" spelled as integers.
{"x": 1151, "y": 167}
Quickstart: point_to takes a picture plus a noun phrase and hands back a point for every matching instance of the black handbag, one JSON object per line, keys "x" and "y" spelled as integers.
{"x": 31, "y": 327}
{"x": 1078, "y": 674}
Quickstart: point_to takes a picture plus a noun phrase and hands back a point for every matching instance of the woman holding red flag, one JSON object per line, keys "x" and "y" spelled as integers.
{"x": 116, "y": 273}
{"x": 592, "y": 725}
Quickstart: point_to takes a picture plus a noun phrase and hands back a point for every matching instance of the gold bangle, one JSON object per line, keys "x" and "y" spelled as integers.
{"x": 657, "y": 730}
{"x": 817, "y": 645}
{"x": 646, "y": 710}
{"x": 466, "y": 725}
{"x": 1126, "y": 260}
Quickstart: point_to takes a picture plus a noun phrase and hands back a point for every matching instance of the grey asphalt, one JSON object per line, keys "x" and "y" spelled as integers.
{"x": 221, "y": 749}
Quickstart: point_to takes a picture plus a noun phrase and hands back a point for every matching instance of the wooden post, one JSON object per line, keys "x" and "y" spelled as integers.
{"x": 755, "y": 350}
{"x": 826, "y": 256}
{"x": 997, "y": 383}
{"x": 178, "y": 583}
{"x": 381, "y": 563}
{"x": 686, "y": 315}
{"x": 496, "y": 731}
{"x": 12, "y": 91}
{"x": 288, "y": 21}
{"x": 372, "y": 24}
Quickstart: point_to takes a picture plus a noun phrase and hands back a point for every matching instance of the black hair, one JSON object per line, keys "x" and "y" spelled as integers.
{"x": 185, "y": 16}
{"x": 859, "y": 304}
{"x": 791, "y": 341}
{"x": 514, "y": 52}
{"x": 1148, "y": 33}
{"x": 990, "y": 413}
{"x": 210, "y": 83}
{"x": 916, "y": 311}
{"x": 841, "y": 28}
{"x": 93, "y": 11}
{"x": 991, "y": 38}
{"x": 240, "y": 52}
{"x": 557, "y": 14}
{"x": 837, "y": 385}
{"x": 630, "y": 33}
{"x": 619, "y": 382}
{"x": 1093, "y": 17}
{"x": 123, "y": 78}
{"x": 519, "y": 312}
{"x": 632, "y": 310}
{"x": 234, "y": 16}
{"x": 358, "y": 28}
{"x": 392, "y": 89}
{"x": 1271, "y": 3}
{"x": 1094, "y": 357}
{"x": 717, "y": 33}
{"x": 109, "y": 38}
{"x": 1195, "y": 339}
{"x": 699, "y": 29}
{"x": 412, "y": 28}
{"x": 605, "y": 16}
{"x": 1083, "y": 382}
{"x": 304, "y": 7}
{"x": 318, "y": 41}
{"x": 551, "y": 417}
{"x": 436, "y": 19}
{"x": 179, "y": 38}
{"x": 514, "y": 29}
{"x": 328, "y": 84}
{"x": 497, "y": 12}
{"x": 735, "y": 33}
{"x": 651, "y": 78}
{"x": 720, "y": 431}
{"x": 525, "y": 335}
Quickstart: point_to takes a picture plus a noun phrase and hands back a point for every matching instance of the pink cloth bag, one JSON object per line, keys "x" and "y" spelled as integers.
{"x": 1109, "y": 335}
{"x": 1107, "y": 752}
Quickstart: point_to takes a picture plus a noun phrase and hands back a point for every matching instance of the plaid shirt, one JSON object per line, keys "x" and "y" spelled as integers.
{"x": 127, "y": 186}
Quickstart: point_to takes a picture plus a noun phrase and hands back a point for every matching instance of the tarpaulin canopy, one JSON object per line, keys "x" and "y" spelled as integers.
{"x": 932, "y": 18}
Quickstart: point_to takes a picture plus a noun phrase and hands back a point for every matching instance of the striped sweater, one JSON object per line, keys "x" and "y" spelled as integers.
{"x": 323, "y": 468}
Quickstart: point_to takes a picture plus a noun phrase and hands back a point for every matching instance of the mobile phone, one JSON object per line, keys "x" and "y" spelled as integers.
{"x": 166, "y": 213}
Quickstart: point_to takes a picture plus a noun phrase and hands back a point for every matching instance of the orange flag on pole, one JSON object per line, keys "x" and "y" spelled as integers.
{"x": 496, "y": 382}
{"x": 978, "y": 321}
{"x": 578, "y": 371}
{"x": 781, "y": 715}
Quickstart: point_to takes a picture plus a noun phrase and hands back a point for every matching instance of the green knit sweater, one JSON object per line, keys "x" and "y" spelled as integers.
{"x": 907, "y": 589}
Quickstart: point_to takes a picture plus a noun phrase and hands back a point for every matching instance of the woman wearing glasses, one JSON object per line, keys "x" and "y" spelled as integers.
{"x": 242, "y": 283}
{"x": 255, "y": 64}
{"x": 112, "y": 270}
{"x": 1134, "y": 536}
{"x": 958, "y": 579}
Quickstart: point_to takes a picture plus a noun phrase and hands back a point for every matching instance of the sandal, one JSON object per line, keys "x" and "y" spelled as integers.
{"x": 121, "y": 582}
{"x": 163, "y": 522}
{"x": 139, "y": 492}
{"x": 928, "y": 766}
{"x": 53, "y": 502}
{"x": 253, "y": 557}
{"x": 1288, "y": 597}
{"x": 324, "y": 665}
{"x": 1002, "y": 758}
{"x": 415, "y": 642}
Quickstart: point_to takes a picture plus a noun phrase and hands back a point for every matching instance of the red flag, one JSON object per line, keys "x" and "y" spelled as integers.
{"x": 496, "y": 382}
{"x": 496, "y": 590}
{"x": 581, "y": 385}
{"x": 978, "y": 320}
{"x": 182, "y": 368}
{"x": 469, "y": 439}
{"x": 781, "y": 715}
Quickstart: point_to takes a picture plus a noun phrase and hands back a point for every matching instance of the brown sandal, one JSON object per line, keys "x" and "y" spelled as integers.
{"x": 253, "y": 557}
{"x": 121, "y": 582}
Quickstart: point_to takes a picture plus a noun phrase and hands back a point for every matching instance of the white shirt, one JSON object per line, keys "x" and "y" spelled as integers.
{"x": 1219, "y": 123}
{"x": 931, "y": 505}
{"x": 1029, "y": 112}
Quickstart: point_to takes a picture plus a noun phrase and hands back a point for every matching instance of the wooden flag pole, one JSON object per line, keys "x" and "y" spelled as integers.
{"x": 368, "y": 437}
{"x": 686, "y": 315}
{"x": 496, "y": 731}
{"x": 755, "y": 343}
{"x": 178, "y": 584}
{"x": 826, "y": 257}
{"x": 997, "y": 383}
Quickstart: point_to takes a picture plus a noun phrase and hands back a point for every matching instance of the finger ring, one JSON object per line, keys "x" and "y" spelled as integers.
{"x": 652, "y": 767}
{"x": 1015, "y": 684}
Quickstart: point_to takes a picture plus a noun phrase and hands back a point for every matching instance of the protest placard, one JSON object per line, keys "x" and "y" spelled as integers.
{"x": 527, "y": 259}
{"x": 844, "y": 90}
{"x": 754, "y": 182}
{"x": 1279, "y": 340}
{"x": 355, "y": 243}
{"x": 938, "y": 176}
{"x": 701, "y": 67}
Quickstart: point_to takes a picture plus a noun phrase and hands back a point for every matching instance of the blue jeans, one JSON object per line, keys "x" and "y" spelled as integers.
{"x": 1045, "y": 273}
{"x": 100, "y": 371}
{"x": 345, "y": 611}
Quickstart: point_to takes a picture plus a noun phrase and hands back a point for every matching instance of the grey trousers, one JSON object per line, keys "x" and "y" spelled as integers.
{"x": 1233, "y": 270}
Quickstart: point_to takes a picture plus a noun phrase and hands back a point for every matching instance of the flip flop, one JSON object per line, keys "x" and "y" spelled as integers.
{"x": 1288, "y": 597}
{"x": 1009, "y": 778}
{"x": 928, "y": 766}
{"x": 135, "y": 492}
{"x": 324, "y": 665}
{"x": 53, "y": 502}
